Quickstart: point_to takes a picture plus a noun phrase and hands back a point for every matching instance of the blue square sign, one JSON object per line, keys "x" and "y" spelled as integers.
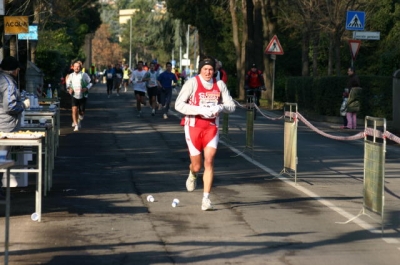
{"x": 355, "y": 20}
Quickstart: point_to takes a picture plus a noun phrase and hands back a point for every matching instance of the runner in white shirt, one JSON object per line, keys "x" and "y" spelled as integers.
{"x": 139, "y": 86}
{"x": 78, "y": 84}
{"x": 152, "y": 87}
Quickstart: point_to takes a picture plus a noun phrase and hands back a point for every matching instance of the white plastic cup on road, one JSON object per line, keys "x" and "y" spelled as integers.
{"x": 175, "y": 203}
{"x": 150, "y": 198}
{"x": 34, "y": 217}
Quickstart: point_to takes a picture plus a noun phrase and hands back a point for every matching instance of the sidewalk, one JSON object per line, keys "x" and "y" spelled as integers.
{"x": 97, "y": 213}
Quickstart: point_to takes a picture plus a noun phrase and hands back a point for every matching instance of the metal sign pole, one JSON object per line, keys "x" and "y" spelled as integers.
{"x": 273, "y": 57}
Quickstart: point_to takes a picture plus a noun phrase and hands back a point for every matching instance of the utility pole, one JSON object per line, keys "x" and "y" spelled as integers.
{"x": 130, "y": 43}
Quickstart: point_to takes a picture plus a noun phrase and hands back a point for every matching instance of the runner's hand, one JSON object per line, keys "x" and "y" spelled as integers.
{"x": 216, "y": 109}
{"x": 206, "y": 112}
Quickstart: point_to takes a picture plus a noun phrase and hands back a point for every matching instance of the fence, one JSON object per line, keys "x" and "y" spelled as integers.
{"x": 374, "y": 136}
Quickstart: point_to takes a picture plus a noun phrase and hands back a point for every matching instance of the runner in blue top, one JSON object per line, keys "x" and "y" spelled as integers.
{"x": 165, "y": 80}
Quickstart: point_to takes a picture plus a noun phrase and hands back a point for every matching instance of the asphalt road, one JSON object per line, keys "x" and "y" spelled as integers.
{"x": 97, "y": 211}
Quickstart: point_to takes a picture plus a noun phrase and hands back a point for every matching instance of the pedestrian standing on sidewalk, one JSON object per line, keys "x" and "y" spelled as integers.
{"x": 165, "y": 81}
{"x": 353, "y": 102}
{"x": 201, "y": 99}
{"x": 345, "y": 97}
{"x": 11, "y": 104}
{"x": 110, "y": 75}
{"x": 139, "y": 86}
{"x": 78, "y": 87}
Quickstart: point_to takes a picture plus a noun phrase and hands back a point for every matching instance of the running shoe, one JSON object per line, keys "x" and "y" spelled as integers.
{"x": 165, "y": 116}
{"x": 206, "y": 205}
{"x": 81, "y": 117}
{"x": 76, "y": 128}
{"x": 153, "y": 112}
{"x": 73, "y": 125}
{"x": 191, "y": 182}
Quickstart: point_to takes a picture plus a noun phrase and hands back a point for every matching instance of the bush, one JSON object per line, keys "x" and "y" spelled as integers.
{"x": 323, "y": 95}
{"x": 52, "y": 64}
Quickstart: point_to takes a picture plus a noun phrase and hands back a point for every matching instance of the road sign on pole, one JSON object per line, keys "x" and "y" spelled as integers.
{"x": 274, "y": 47}
{"x": 355, "y": 20}
{"x": 354, "y": 48}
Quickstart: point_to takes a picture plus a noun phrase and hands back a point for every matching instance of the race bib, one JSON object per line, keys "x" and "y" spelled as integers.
{"x": 209, "y": 99}
{"x": 109, "y": 75}
{"x": 119, "y": 76}
{"x": 78, "y": 92}
{"x": 152, "y": 82}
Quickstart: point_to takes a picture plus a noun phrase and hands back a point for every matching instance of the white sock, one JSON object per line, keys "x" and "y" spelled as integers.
{"x": 193, "y": 175}
{"x": 206, "y": 195}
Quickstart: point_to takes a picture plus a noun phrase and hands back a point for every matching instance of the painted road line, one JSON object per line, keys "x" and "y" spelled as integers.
{"x": 313, "y": 195}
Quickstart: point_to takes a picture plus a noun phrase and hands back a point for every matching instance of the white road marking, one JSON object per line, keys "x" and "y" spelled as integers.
{"x": 313, "y": 195}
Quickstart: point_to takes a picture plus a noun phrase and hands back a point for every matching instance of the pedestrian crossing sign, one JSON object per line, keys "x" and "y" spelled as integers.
{"x": 274, "y": 47}
{"x": 355, "y": 20}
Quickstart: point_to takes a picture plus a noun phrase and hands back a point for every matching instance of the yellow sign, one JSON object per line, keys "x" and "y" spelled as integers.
{"x": 16, "y": 25}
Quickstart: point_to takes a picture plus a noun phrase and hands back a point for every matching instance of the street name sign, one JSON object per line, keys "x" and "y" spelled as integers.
{"x": 366, "y": 35}
{"x": 31, "y": 35}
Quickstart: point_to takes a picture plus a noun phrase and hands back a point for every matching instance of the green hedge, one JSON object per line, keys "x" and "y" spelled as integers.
{"x": 323, "y": 95}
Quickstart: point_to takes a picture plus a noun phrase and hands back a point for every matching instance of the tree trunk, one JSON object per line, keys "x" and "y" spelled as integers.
{"x": 337, "y": 53}
{"x": 305, "y": 48}
{"x": 268, "y": 11}
{"x": 13, "y": 46}
{"x": 315, "y": 44}
{"x": 258, "y": 35}
{"x": 240, "y": 46}
{"x": 251, "y": 54}
{"x": 243, "y": 57}
{"x": 330, "y": 55}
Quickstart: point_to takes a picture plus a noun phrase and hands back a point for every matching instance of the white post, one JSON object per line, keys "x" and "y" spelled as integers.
{"x": 130, "y": 43}
{"x": 187, "y": 42}
{"x": 180, "y": 55}
{"x": 194, "y": 51}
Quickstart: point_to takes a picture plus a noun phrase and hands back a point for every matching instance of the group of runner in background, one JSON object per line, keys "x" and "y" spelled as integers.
{"x": 151, "y": 82}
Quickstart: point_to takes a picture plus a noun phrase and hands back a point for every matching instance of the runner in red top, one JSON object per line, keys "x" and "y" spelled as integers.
{"x": 201, "y": 99}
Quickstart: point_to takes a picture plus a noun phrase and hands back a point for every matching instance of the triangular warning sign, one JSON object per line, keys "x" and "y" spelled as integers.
{"x": 354, "y": 47}
{"x": 355, "y": 22}
{"x": 274, "y": 47}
